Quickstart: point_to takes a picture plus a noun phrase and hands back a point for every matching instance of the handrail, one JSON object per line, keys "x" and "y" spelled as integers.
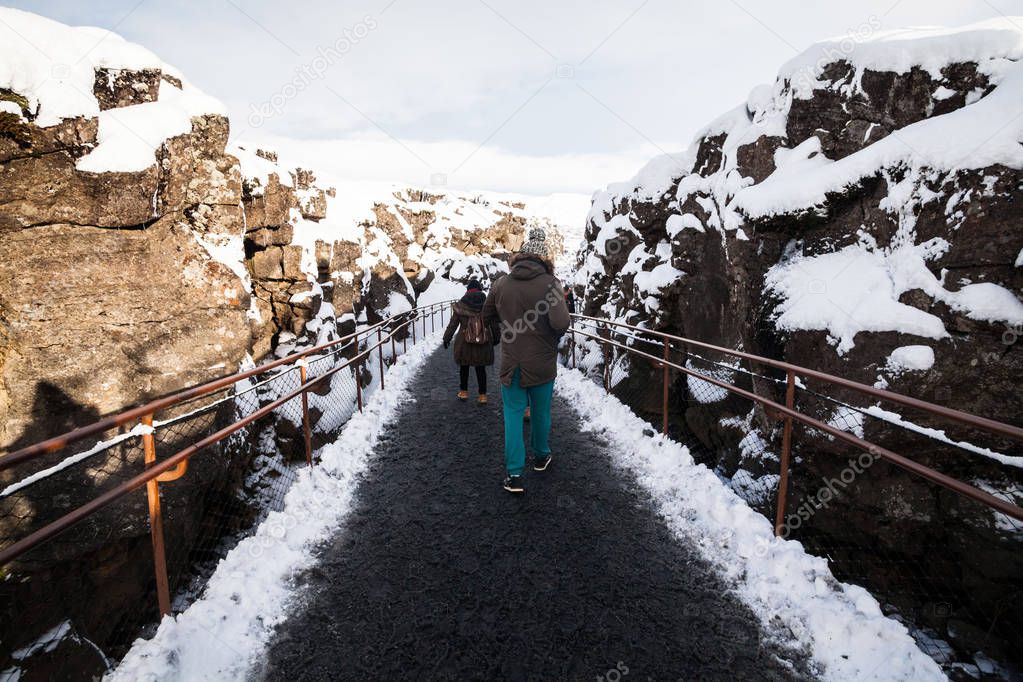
{"x": 56, "y": 443}
{"x": 991, "y": 425}
{"x": 932, "y": 475}
{"x": 156, "y": 470}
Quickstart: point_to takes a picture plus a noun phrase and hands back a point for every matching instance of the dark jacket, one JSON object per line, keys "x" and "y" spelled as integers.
{"x": 469, "y": 354}
{"x": 529, "y": 302}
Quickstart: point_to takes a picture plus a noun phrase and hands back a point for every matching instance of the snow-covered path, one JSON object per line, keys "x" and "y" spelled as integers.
{"x": 440, "y": 574}
{"x": 401, "y": 554}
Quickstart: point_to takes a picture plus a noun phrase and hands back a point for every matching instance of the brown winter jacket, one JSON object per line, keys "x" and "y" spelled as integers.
{"x": 469, "y": 354}
{"x": 529, "y": 302}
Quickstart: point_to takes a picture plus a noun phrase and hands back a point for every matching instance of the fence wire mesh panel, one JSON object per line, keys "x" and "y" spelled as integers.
{"x": 957, "y": 585}
{"x": 47, "y": 597}
{"x": 71, "y": 606}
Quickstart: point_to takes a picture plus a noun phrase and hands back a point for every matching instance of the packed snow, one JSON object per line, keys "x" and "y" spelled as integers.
{"x": 911, "y": 359}
{"x": 53, "y": 67}
{"x": 793, "y": 593}
{"x": 857, "y": 289}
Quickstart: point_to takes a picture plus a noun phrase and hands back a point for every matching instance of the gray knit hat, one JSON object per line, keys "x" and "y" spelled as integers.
{"x": 537, "y": 242}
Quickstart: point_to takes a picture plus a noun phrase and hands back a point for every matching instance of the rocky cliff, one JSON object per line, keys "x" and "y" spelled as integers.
{"x": 141, "y": 252}
{"x": 862, "y": 215}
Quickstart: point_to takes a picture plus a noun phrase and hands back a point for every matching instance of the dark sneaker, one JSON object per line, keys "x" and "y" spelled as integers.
{"x": 513, "y": 484}
{"x": 541, "y": 463}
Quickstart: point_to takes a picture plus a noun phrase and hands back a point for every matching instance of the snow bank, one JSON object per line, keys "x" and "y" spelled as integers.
{"x": 928, "y": 47}
{"x": 857, "y": 289}
{"x": 222, "y": 634}
{"x": 979, "y": 135}
{"x": 794, "y": 594}
{"x": 54, "y": 67}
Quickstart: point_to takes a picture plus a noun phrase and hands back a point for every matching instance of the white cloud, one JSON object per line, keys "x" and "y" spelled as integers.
{"x": 464, "y": 165}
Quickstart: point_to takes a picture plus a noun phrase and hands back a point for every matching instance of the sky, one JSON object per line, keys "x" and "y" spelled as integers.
{"x": 529, "y": 96}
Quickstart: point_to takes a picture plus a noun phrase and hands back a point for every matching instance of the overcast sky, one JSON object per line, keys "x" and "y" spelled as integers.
{"x": 532, "y": 96}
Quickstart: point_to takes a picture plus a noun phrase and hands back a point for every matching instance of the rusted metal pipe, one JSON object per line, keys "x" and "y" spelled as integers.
{"x": 380, "y": 356}
{"x": 932, "y": 475}
{"x": 607, "y": 362}
{"x": 131, "y": 415}
{"x": 358, "y": 384}
{"x": 58, "y": 443}
{"x": 171, "y": 465}
{"x": 664, "y": 388}
{"x": 305, "y": 415}
{"x": 786, "y": 451}
{"x": 984, "y": 423}
{"x": 156, "y": 520}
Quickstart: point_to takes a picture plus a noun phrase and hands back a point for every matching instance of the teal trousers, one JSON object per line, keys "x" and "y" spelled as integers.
{"x": 515, "y": 399}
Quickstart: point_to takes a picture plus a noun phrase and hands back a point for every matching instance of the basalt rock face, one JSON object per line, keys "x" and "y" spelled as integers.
{"x": 109, "y": 296}
{"x": 717, "y": 245}
{"x": 103, "y": 275}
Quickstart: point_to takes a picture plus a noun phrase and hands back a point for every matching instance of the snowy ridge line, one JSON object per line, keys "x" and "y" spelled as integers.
{"x": 893, "y": 418}
{"x": 222, "y": 634}
{"x": 794, "y": 594}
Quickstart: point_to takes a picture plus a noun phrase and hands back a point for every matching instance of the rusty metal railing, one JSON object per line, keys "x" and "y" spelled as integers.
{"x": 607, "y": 328}
{"x": 361, "y": 343}
{"x": 935, "y": 533}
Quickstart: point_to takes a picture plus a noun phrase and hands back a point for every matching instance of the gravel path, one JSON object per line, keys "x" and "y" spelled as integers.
{"x": 438, "y": 573}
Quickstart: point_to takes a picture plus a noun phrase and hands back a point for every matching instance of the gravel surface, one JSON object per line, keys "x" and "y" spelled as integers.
{"x": 438, "y": 573}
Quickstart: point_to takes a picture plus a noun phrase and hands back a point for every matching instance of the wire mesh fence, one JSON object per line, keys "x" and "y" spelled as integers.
{"x": 947, "y": 566}
{"x": 71, "y": 606}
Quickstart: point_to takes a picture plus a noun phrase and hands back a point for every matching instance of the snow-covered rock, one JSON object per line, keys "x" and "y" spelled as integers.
{"x": 861, "y": 215}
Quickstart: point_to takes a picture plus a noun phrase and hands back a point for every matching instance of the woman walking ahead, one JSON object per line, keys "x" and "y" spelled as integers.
{"x": 474, "y": 340}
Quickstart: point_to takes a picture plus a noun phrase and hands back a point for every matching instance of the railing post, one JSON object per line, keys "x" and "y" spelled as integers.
{"x": 571, "y": 343}
{"x": 433, "y": 320}
{"x": 358, "y": 384}
{"x": 380, "y": 354}
{"x": 786, "y": 451}
{"x": 664, "y": 387}
{"x": 156, "y": 520}
{"x": 394, "y": 346}
{"x": 424, "y": 326}
{"x": 413, "y": 325}
{"x": 607, "y": 366}
{"x": 307, "y": 430}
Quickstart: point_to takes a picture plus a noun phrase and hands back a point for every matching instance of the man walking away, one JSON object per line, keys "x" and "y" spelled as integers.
{"x": 474, "y": 342}
{"x": 529, "y": 302}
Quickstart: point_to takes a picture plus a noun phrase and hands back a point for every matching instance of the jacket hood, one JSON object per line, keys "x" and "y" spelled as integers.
{"x": 473, "y": 300}
{"x": 462, "y": 308}
{"x": 528, "y": 268}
